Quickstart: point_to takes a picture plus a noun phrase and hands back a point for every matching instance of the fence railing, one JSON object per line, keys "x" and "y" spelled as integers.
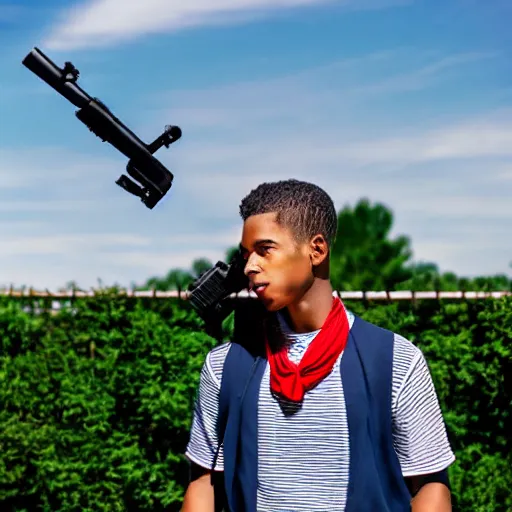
{"x": 344, "y": 295}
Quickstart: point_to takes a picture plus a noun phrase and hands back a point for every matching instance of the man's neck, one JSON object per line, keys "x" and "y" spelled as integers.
{"x": 310, "y": 313}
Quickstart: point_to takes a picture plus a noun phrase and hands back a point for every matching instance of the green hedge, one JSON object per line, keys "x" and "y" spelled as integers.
{"x": 96, "y": 400}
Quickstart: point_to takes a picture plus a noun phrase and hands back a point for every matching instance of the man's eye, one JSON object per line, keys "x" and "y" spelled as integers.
{"x": 266, "y": 248}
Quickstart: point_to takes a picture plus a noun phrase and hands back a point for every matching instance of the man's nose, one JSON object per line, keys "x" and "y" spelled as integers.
{"x": 251, "y": 267}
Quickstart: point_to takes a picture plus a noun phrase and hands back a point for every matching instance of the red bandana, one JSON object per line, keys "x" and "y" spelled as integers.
{"x": 291, "y": 381}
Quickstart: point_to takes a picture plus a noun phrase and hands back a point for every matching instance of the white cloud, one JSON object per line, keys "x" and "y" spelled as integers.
{"x": 67, "y": 244}
{"x": 423, "y": 76}
{"x": 50, "y": 261}
{"x": 89, "y": 268}
{"x": 333, "y": 94}
{"x": 50, "y": 169}
{"x": 46, "y": 255}
{"x": 465, "y": 258}
{"x": 247, "y": 160}
{"x": 160, "y": 263}
{"x": 106, "y": 22}
{"x": 464, "y": 140}
{"x": 505, "y": 174}
{"x": 40, "y": 206}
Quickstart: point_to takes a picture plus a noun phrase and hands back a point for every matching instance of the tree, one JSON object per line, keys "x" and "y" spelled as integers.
{"x": 177, "y": 278}
{"x": 199, "y": 266}
{"x": 428, "y": 277}
{"x": 230, "y": 253}
{"x": 363, "y": 256}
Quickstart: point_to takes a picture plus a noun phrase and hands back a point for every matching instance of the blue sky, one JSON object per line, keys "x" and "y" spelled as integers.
{"x": 404, "y": 102}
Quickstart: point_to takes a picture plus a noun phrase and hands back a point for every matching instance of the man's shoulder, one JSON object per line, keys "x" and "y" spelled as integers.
{"x": 405, "y": 346}
{"x": 405, "y": 352}
{"x": 406, "y": 356}
{"x": 215, "y": 360}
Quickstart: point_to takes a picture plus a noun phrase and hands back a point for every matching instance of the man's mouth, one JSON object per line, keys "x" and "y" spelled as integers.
{"x": 259, "y": 287}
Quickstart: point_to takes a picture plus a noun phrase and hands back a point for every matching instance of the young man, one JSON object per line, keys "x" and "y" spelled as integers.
{"x": 336, "y": 414}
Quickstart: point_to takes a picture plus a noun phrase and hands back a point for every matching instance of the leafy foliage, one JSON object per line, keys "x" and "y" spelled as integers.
{"x": 469, "y": 351}
{"x": 180, "y": 279}
{"x": 363, "y": 256}
{"x": 95, "y": 405}
{"x": 96, "y": 400}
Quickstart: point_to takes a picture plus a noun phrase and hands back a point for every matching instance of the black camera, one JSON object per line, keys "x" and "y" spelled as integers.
{"x": 210, "y": 292}
{"x": 211, "y": 296}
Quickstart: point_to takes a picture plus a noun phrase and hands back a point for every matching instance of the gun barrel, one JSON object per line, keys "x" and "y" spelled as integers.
{"x": 98, "y": 118}
{"x": 37, "y": 62}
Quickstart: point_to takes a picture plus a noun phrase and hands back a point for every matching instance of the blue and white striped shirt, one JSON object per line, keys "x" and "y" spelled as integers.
{"x": 303, "y": 451}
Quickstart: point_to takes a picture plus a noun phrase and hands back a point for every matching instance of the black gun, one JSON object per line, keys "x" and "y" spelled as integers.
{"x": 154, "y": 178}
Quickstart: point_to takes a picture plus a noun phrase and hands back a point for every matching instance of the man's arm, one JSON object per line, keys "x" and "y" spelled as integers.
{"x": 432, "y": 497}
{"x": 420, "y": 438}
{"x": 203, "y": 443}
{"x": 430, "y": 492}
{"x": 200, "y": 496}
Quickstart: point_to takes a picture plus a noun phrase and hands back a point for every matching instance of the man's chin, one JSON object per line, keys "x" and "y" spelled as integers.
{"x": 271, "y": 305}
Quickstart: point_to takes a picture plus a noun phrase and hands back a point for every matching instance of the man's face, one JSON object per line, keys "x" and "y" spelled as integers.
{"x": 278, "y": 267}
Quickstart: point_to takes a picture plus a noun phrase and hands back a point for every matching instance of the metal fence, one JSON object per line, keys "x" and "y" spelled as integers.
{"x": 344, "y": 295}
{"x": 41, "y": 301}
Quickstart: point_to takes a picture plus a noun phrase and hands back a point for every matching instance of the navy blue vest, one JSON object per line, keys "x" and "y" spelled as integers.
{"x": 376, "y": 482}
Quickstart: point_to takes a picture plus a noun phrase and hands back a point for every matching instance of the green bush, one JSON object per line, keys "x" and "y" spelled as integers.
{"x": 95, "y": 405}
{"x": 469, "y": 351}
{"x": 96, "y": 400}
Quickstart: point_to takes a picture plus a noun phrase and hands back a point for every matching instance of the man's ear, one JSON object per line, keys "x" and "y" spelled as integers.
{"x": 319, "y": 250}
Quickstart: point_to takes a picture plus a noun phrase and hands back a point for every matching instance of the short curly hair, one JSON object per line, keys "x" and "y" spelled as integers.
{"x": 303, "y": 207}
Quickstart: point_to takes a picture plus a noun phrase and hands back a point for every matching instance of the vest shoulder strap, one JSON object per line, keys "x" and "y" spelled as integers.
{"x": 376, "y": 481}
{"x": 236, "y": 370}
